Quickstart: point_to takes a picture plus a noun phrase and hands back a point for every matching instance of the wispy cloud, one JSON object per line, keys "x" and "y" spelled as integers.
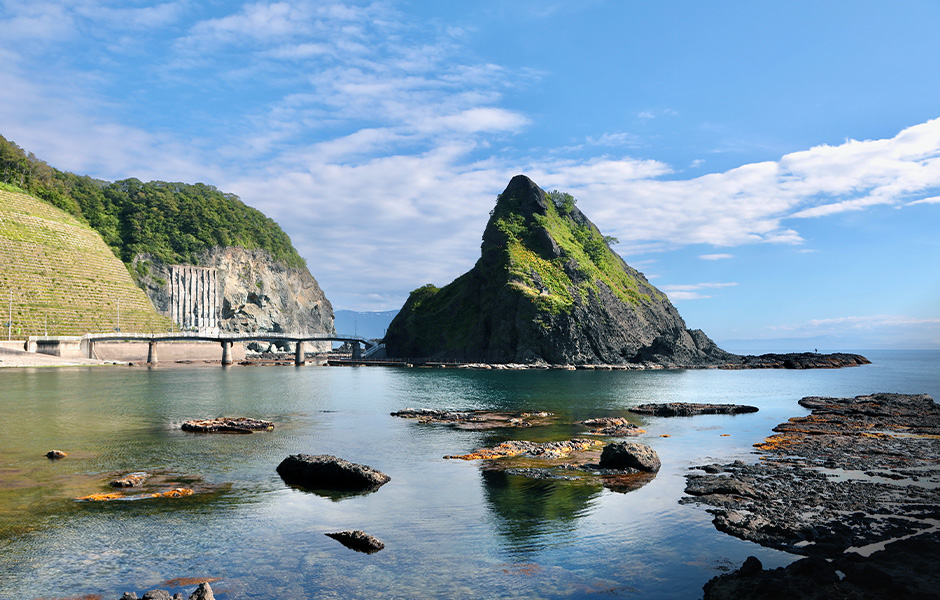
{"x": 693, "y": 291}
{"x": 715, "y": 256}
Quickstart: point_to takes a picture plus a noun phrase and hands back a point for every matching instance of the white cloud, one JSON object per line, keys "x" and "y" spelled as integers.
{"x": 871, "y": 331}
{"x": 715, "y": 256}
{"x": 692, "y": 291}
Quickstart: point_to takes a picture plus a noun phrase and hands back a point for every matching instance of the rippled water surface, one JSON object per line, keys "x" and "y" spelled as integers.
{"x": 450, "y": 529}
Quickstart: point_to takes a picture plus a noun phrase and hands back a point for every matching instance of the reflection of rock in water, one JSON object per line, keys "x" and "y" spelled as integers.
{"x": 528, "y": 510}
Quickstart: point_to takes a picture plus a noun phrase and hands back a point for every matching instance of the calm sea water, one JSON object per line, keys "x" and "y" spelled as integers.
{"x": 451, "y": 530}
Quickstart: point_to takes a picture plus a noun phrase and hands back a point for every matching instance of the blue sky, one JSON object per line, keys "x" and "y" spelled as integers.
{"x": 774, "y": 167}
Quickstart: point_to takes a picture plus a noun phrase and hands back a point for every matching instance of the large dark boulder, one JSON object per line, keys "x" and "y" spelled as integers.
{"x": 630, "y": 455}
{"x": 326, "y": 472}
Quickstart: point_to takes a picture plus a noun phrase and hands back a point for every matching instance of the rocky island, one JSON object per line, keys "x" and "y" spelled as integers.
{"x": 548, "y": 289}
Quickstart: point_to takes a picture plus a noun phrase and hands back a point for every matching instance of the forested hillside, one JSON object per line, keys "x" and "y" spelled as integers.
{"x": 171, "y": 221}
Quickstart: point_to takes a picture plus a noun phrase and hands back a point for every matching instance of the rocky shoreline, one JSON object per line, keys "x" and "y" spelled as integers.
{"x": 854, "y": 482}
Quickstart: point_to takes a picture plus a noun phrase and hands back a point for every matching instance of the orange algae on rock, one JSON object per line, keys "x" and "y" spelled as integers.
{"x": 105, "y": 497}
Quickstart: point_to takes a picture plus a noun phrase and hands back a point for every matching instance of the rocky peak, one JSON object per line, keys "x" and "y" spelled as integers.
{"x": 548, "y": 288}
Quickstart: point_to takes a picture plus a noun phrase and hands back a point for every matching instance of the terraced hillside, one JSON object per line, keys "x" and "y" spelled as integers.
{"x": 63, "y": 277}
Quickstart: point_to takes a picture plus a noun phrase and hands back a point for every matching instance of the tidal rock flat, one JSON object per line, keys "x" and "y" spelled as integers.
{"x": 797, "y": 360}
{"x": 854, "y": 473}
{"x": 227, "y": 425}
{"x": 689, "y": 409}
{"x": 476, "y": 419}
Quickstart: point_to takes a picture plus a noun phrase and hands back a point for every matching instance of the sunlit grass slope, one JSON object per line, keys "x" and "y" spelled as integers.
{"x": 63, "y": 278}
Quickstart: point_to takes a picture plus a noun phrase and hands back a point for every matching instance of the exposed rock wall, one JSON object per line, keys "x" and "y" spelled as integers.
{"x": 253, "y": 293}
{"x": 194, "y": 297}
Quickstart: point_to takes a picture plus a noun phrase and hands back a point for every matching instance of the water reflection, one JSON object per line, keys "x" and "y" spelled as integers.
{"x": 533, "y": 513}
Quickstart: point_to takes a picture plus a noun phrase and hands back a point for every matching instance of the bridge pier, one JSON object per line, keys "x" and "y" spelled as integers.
{"x": 152, "y": 353}
{"x": 356, "y": 351}
{"x": 226, "y": 352}
{"x": 300, "y": 358}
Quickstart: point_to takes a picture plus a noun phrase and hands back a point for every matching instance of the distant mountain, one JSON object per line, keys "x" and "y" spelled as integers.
{"x": 547, "y": 288}
{"x": 368, "y": 324}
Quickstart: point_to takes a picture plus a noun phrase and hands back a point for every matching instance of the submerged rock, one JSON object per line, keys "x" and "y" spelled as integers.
{"x": 630, "y": 456}
{"x": 130, "y": 480}
{"x": 328, "y": 472}
{"x": 227, "y": 425}
{"x": 688, "y": 409}
{"x": 357, "y": 540}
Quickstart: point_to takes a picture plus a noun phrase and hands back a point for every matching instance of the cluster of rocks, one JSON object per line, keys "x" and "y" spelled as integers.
{"x": 689, "y": 409}
{"x": 203, "y": 592}
{"x": 855, "y": 474}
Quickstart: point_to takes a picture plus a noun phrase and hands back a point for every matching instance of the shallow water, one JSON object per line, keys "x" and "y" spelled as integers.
{"x": 450, "y": 529}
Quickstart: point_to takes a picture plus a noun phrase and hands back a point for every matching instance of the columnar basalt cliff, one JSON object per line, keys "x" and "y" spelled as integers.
{"x": 249, "y": 290}
{"x": 547, "y": 288}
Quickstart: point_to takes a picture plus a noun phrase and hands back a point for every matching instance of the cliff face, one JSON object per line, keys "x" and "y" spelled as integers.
{"x": 547, "y": 287}
{"x": 253, "y": 293}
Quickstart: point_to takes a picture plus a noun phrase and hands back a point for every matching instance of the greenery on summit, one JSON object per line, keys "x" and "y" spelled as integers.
{"x": 172, "y": 221}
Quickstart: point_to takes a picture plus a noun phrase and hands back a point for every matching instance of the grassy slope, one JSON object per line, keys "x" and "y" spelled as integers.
{"x": 63, "y": 277}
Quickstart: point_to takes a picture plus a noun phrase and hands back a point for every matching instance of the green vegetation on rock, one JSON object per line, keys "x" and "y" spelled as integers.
{"x": 173, "y": 222}
{"x": 547, "y": 287}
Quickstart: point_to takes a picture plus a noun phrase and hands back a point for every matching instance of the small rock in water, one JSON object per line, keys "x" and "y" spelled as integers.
{"x": 357, "y": 540}
{"x": 203, "y": 592}
{"x": 55, "y": 454}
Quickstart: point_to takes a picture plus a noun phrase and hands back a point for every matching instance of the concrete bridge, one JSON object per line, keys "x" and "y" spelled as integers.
{"x": 86, "y": 343}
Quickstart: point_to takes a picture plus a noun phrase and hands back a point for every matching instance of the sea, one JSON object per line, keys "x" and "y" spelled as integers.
{"x": 451, "y": 528}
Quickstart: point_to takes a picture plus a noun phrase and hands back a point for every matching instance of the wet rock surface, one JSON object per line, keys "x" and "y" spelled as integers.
{"x": 856, "y": 472}
{"x": 689, "y": 409}
{"x": 630, "y": 456}
{"x": 131, "y": 480}
{"x": 532, "y": 449}
{"x": 55, "y": 454}
{"x": 476, "y": 419}
{"x": 796, "y": 360}
{"x": 904, "y": 569}
{"x": 326, "y": 472}
{"x": 357, "y": 540}
{"x": 227, "y": 425}
{"x": 613, "y": 427}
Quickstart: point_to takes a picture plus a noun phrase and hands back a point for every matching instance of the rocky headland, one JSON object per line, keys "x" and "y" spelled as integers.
{"x": 549, "y": 290}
